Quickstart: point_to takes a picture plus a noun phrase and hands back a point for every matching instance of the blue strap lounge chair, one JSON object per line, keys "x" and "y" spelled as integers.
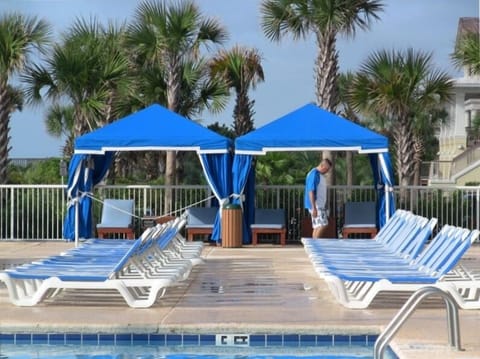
{"x": 404, "y": 235}
{"x": 135, "y": 271}
{"x": 356, "y": 286}
{"x": 409, "y": 241}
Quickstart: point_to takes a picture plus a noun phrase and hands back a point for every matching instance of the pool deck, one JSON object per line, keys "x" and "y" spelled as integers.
{"x": 250, "y": 289}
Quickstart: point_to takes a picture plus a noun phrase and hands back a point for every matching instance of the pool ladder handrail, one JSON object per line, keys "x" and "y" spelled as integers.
{"x": 409, "y": 307}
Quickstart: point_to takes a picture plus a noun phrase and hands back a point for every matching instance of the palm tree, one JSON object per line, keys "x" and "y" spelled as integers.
{"x": 59, "y": 122}
{"x": 19, "y": 37}
{"x": 169, "y": 36}
{"x": 425, "y": 141}
{"x": 241, "y": 68}
{"x": 326, "y": 19}
{"x": 467, "y": 53}
{"x": 86, "y": 69}
{"x": 399, "y": 87}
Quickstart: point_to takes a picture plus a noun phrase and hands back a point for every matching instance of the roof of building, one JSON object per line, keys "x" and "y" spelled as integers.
{"x": 467, "y": 25}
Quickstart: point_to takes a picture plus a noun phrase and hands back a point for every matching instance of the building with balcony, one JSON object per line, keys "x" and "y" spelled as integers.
{"x": 459, "y": 140}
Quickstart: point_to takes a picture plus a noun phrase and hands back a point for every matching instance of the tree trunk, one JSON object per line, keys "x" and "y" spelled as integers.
{"x": 173, "y": 89}
{"x": 349, "y": 167}
{"x": 6, "y": 108}
{"x": 419, "y": 150}
{"x": 326, "y": 71}
{"x": 4, "y": 148}
{"x": 326, "y": 74}
{"x": 242, "y": 114}
{"x": 404, "y": 144}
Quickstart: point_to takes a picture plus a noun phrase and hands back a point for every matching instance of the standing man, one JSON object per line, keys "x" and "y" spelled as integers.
{"x": 316, "y": 197}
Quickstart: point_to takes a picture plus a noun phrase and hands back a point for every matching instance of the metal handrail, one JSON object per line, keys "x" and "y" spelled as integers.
{"x": 409, "y": 307}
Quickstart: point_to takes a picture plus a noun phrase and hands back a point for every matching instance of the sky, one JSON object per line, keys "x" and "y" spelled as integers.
{"x": 426, "y": 25}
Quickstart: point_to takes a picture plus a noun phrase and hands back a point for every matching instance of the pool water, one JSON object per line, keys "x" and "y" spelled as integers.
{"x": 149, "y": 352}
{"x": 186, "y": 346}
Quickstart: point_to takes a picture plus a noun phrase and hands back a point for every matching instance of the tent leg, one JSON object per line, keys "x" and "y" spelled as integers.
{"x": 76, "y": 224}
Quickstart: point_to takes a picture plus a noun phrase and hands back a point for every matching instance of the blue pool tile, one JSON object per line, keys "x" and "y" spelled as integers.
{"x": 341, "y": 339}
{"x": 191, "y": 339}
{"x": 56, "y": 338}
{"x": 274, "y": 340}
{"x": 291, "y": 340}
{"x": 39, "y": 338}
{"x": 358, "y": 339}
{"x": 73, "y": 338}
{"x": 371, "y": 339}
{"x": 174, "y": 339}
{"x": 324, "y": 340}
{"x": 123, "y": 338}
{"x": 140, "y": 339}
{"x": 106, "y": 339}
{"x": 308, "y": 340}
{"x": 257, "y": 340}
{"x": 207, "y": 339}
{"x": 91, "y": 339}
{"x": 159, "y": 339}
{"x": 7, "y": 338}
{"x": 23, "y": 338}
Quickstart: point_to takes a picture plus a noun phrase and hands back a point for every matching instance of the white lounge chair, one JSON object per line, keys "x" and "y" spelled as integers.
{"x": 355, "y": 286}
{"x": 140, "y": 272}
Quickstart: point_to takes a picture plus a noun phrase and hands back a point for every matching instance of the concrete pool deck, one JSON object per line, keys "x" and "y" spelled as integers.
{"x": 242, "y": 290}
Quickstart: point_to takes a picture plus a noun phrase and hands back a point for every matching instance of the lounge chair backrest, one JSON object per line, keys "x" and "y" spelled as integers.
{"x": 360, "y": 214}
{"x": 391, "y": 227}
{"x": 424, "y": 233}
{"x": 117, "y": 213}
{"x": 201, "y": 217}
{"x": 269, "y": 218}
{"x": 444, "y": 251}
{"x": 405, "y": 234}
{"x": 122, "y": 261}
{"x": 452, "y": 258}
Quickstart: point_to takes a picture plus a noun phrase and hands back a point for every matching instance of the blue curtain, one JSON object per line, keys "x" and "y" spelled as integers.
{"x": 216, "y": 167}
{"x": 383, "y": 179}
{"x": 388, "y": 180}
{"x": 84, "y": 172}
{"x": 243, "y": 179}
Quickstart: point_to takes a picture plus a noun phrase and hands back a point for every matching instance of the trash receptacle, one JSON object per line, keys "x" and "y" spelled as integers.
{"x": 231, "y": 226}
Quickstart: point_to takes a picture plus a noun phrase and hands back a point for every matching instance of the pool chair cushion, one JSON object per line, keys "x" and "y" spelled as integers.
{"x": 200, "y": 221}
{"x": 269, "y": 221}
{"x": 117, "y": 218}
{"x": 360, "y": 217}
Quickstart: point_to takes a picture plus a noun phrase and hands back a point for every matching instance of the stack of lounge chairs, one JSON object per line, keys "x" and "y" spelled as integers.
{"x": 139, "y": 270}
{"x": 401, "y": 258}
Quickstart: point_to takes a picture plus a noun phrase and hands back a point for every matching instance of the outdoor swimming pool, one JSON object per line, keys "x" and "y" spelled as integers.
{"x": 193, "y": 346}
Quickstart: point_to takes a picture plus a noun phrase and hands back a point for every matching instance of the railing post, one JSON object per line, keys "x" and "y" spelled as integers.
{"x": 477, "y": 209}
{"x": 12, "y": 216}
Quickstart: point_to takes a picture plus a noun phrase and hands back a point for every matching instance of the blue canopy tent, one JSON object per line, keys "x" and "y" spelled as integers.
{"x": 154, "y": 128}
{"x": 310, "y": 128}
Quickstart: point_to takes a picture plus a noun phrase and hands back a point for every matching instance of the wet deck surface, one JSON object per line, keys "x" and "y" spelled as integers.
{"x": 249, "y": 289}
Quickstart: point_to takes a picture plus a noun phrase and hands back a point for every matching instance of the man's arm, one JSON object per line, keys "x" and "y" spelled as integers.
{"x": 313, "y": 207}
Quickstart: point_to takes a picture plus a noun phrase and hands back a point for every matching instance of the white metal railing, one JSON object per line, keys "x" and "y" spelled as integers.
{"x": 453, "y": 323}
{"x": 36, "y": 212}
